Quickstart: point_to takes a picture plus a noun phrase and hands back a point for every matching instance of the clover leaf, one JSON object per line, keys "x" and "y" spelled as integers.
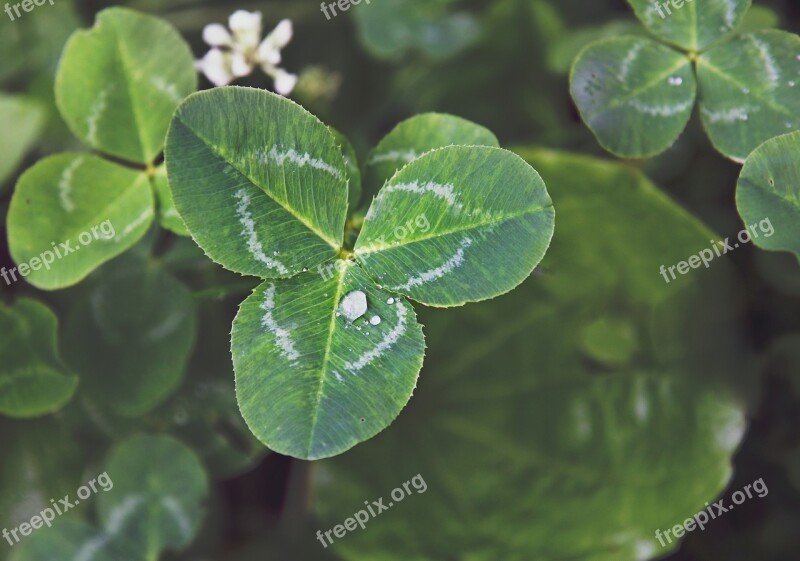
{"x": 636, "y": 94}
{"x": 327, "y": 350}
{"x": 117, "y": 93}
{"x": 769, "y": 190}
{"x": 34, "y": 379}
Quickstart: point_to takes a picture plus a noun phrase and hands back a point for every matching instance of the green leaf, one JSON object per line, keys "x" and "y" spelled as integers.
{"x": 259, "y": 182}
{"x": 353, "y": 171}
{"x": 157, "y": 499}
{"x": 26, "y": 119}
{"x": 168, "y": 217}
{"x": 768, "y": 192}
{"x": 34, "y": 380}
{"x": 312, "y": 379}
{"x": 415, "y": 136}
{"x": 390, "y": 29}
{"x": 74, "y": 539}
{"x": 691, "y": 25}
{"x": 634, "y": 94}
{"x": 441, "y": 231}
{"x": 543, "y": 454}
{"x": 71, "y": 213}
{"x": 130, "y": 338}
{"x": 750, "y": 91}
{"x": 566, "y": 45}
{"x": 119, "y": 83}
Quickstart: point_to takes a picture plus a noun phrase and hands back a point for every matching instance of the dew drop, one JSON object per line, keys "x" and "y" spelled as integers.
{"x": 390, "y": 301}
{"x": 358, "y": 327}
{"x": 792, "y": 83}
{"x": 788, "y": 124}
{"x": 745, "y": 91}
{"x": 675, "y": 81}
{"x": 305, "y": 269}
{"x": 276, "y": 252}
{"x": 374, "y": 320}
{"x": 353, "y": 305}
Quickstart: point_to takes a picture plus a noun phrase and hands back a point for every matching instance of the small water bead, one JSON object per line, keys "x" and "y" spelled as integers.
{"x": 788, "y": 125}
{"x": 276, "y": 252}
{"x": 374, "y": 320}
{"x": 390, "y": 301}
{"x": 675, "y": 81}
{"x": 792, "y": 83}
{"x": 745, "y": 91}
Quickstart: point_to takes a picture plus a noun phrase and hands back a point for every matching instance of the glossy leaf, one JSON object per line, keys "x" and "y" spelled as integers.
{"x": 538, "y": 451}
{"x": 158, "y": 494}
{"x": 33, "y": 379}
{"x": 312, "y": 379}
{"x": 25, "y": 117}
{"x": 74, "y": 539}
{"x": 442, "y": 230}
{"x": 415, "y": 136}
{"x": 130, "y": 338}
{"x": 635, "y": 95}
{"x": 692, "y": 25}
{"x": 71, "y": 213}
{"x": 259, "y": 182}
{"x": 768, "y": 192}
{"x": 168, "y": 217}
{"x": 750, "y": 91}
{"x": 119, "y": 82}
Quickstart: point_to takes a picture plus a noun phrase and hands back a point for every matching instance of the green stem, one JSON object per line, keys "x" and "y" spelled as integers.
{"x": 297, "y": 504}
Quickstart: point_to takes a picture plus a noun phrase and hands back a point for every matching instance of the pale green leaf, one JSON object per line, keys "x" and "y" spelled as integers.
{"x": 635, "y": 95}
{"x": 415, "y": 136}
{"x": 313, "y": 380}
{"x": 750, "y": 91}
{"x": 157, "y": 499}
{"x": 541, "y": 453}
{"x": 33, "y": 378}
{"x": 119, "y": 82}
{"x": 25, "y": 117}
{"x": 768, "y": 193}
{"x": 442, "y": 229}
{"x": 74, "y": 540}
{"x": 71, "y": 213}
{"x": 260, "y": 183}
{"x": 692, "y": 25}
{"x": 168, "y": 217}
{"x": 130, "y": 337}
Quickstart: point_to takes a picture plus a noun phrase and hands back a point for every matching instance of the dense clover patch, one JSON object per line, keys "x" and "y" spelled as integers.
{"x": 636, "y": 95}
{"x": 328, "y": 349}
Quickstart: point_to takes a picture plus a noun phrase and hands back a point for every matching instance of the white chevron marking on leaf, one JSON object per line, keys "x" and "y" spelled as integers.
{"x": 88, "y": 550}
{"x": 138, "y": 221}
{"x": 661, "y": 110}
{"x": 95, "y": 112}
{"x": 390, "y": 339}
{"x": 444, "y": 192}
{"x": 301, "y": 160}
{"x": 253, "y": 244}
{"x": 120, "y": 513}
{"x": 65, "y": 185}
{"x": 179, "y": 515}
{"x": 454, "y": 262}
{"x": 394, "y": 156}
{"x": 728, "y": 115}
{"x": 282, "y": 336}
{"x": 770, "y": 65}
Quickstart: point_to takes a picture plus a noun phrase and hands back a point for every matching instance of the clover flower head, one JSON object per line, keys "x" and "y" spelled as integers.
{"x": 238, "y": 49}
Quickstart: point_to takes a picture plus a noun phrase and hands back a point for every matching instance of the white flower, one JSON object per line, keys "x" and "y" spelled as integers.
{"x": 237, "y": 52}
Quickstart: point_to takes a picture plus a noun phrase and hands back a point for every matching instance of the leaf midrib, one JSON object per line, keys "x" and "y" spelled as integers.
{"x": 440, "y": 234}
{"x": 333, "y": 243}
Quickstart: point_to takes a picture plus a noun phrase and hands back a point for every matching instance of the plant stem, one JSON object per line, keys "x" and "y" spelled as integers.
{"x": 297, "y": 503}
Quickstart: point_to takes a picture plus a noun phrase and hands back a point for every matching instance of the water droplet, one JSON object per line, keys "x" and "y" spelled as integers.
{"x": 745, "y": 91}
{"x": 305, "y": 269}
{"x": 792, "y": 83}
{"x": 675, "y": 81}
{"x": 390, "y": 301}
{"x": 374, "y": 320}
{"x": 788, "y": 124}
{"x": 358, "y": 327}
{"x": 276, "y": 252}
{"x": 353, "y": 305}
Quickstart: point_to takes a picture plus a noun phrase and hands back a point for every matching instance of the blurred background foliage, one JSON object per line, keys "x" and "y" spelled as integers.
{"x": 567, "y": 420}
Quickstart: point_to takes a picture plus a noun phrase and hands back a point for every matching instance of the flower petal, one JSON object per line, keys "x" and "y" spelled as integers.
{"x": 284, "y": 82}
{"x": 246, "y": 27}
{"x": 240, "y": 66}
{"x": 216, "y": 67}
{"x": 216, "y": 35}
